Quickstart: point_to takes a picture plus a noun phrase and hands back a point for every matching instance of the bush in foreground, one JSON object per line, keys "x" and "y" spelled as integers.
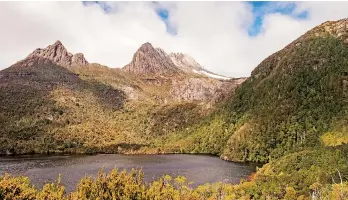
{"x": 125, "y": 186}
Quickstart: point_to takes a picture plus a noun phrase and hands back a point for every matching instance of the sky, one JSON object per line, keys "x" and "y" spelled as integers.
{"x": 228, "y": 38}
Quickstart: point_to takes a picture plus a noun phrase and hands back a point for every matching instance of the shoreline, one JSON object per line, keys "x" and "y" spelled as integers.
{"x": 258, "y": 164}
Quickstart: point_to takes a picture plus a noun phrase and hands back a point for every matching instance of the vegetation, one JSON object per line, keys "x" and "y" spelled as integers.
{"x": 46, "y": 108}
{"x": 291, "y": 114}
{"x": 122, "y": 185}
{"x": 281, "y": 110}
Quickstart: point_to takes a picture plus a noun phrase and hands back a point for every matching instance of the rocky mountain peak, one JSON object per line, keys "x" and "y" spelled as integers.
{"x": 148, "y": 60}
{"x": 60, "y": 55}
{"x": 185, "y": 62}
{"x": 58, "y": 43}
{"x": 146, "y": 47}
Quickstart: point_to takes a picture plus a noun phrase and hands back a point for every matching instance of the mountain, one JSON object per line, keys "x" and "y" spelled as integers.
{"x": 291, "y": 100}
{"x": 155, "y": 61}
{"x": 189, "y": 81}
{"x": 147, "y": 60}
{"x": 55, "y": 101}
{"x": 294, "y": 96}
{"x": 290, "y": 113}
{"x": 58, "y": 54}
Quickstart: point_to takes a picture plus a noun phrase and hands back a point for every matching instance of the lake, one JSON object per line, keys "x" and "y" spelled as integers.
{"x": 197, "y": 168}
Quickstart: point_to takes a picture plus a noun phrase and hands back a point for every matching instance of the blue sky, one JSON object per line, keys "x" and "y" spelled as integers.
{"x": 262, "y": 8}
{"x": 164, "y": 14}
{"x": 259, "y": 9}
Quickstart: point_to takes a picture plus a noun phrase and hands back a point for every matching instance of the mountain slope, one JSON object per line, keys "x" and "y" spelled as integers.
{"x": 291, "y": 99}
{"x": 294, "y": 96}
{"x": 55, "y": 101}
{"x": 291, "y": 112}
{"x": 41, "y": 101}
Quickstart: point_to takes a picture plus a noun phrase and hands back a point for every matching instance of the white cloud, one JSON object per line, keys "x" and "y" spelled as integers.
{"x": 214, "y": 33}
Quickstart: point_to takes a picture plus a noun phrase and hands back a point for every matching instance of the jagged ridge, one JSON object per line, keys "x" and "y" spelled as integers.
{"x": 150, "y": 60}
{"x": 147, "y": 60}
{"x": 59, "y": 54}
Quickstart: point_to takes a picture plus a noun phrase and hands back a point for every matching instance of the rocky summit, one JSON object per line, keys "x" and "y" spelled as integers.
{"x": 59, "y": 54}
{"x": 155, "y": 61}
{"x": 148, "y": 60}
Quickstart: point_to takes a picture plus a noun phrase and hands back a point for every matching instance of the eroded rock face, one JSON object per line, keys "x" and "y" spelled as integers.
{"x": 148, "y": 60}
{"x": 79, "y": 59}
{"x": 59, "y": 54}
{"x": 203, "y": 89}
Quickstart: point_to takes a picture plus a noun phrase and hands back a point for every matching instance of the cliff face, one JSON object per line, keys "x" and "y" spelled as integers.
{"x": 204, "y": 89}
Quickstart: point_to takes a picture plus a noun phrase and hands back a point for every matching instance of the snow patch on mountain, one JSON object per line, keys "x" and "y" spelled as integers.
{"x": 211, "y": 75}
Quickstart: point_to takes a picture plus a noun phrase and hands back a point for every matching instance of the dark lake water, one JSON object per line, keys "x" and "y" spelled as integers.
{"x": 197, "y": 168}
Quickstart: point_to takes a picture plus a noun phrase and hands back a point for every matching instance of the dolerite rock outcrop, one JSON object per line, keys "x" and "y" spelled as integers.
{"x": 203, "y": 89}
{"x": 148, "y": 60}
{"x": 59, "y": 55}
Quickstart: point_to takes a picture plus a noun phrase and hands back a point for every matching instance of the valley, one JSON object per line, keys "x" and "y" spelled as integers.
{"x": 290, "y": 115}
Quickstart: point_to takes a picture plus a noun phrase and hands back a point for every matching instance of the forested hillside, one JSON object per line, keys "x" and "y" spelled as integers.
{"x": 291, "y": 99}
{"x": 291, "y": 113}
